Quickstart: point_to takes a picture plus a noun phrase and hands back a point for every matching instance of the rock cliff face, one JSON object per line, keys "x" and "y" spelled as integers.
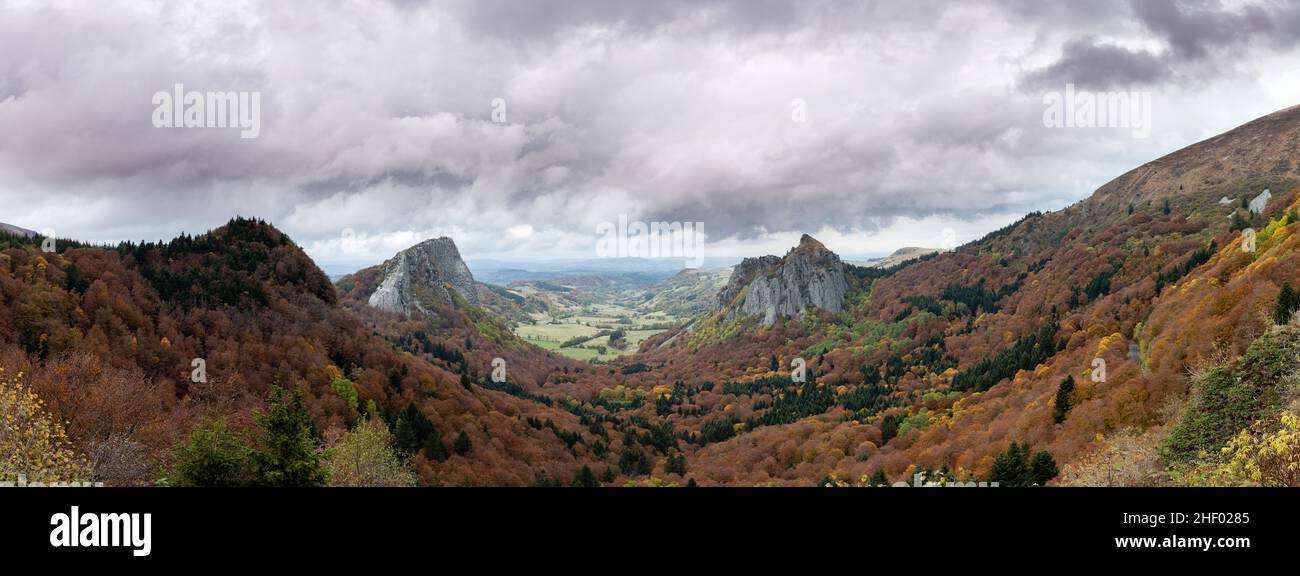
{"x": 809, "y": 276}
{"x": 424, "y": 276}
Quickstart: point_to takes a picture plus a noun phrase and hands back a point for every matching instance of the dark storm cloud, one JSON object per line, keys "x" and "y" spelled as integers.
{"x": 1195, "y": 29}
{"x": 377, "y": 117}
{"x": 1090, "y": 64}
{"x": 1194, "y": 37}
{"x": 536, "y": 18}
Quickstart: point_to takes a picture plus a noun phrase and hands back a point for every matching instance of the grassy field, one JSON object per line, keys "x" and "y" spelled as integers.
{"x": 571, "y": 317}
{"x": 556, "y": 333}
{"x": 550, "y": 336}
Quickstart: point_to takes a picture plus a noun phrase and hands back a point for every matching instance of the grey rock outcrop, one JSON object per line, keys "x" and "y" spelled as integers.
{"x": 809, "y": 276}
{"x": 742, "y": 275}
{"x": 423, "y": 277}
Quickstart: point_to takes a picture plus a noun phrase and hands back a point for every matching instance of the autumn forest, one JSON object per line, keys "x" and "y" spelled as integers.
{"x": 1141, "y": 337}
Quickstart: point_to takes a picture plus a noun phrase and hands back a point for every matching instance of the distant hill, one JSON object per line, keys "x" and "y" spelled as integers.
{"x": 940, "y": 363}
{"x": 16, "y": 231}
{"x": 503, "y": 273}
{"x": 903, "y": 255}
{"x": 691, "y": 292}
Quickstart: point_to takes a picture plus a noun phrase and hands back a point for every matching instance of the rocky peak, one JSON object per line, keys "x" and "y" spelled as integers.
{"x": 809, "y": 276}
{"x": 810, "y": 245}
{"x": 423, "y": 277}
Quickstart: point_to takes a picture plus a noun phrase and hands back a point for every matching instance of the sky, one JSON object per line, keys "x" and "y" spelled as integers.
{"x": 518, "y": 127}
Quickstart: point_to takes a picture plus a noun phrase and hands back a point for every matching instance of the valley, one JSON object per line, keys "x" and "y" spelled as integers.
{"x": 598, "y": 318}
{"x": 1151, "y": 324}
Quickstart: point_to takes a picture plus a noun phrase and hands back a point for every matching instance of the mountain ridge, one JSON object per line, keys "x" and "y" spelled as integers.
{"x": 936, "y": 365}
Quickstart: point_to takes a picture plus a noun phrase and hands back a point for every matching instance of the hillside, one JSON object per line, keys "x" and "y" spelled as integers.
{"x": 903, "y": 255}
{"x": 1145, "y": 328}
{"x": 110, "y": 338}
{"x": 942, "y": 363}
{"x": 11, "y": 230}
{"x": 688, "y": 293}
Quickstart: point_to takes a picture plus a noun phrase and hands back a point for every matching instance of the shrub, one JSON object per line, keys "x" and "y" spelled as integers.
{"x": 32, "y": 442}
{"x": 1230, "y": 397}
{"x": 365, "y": 457}
{"x": 213, "y": 456}
{"x": 1261, "y": 457}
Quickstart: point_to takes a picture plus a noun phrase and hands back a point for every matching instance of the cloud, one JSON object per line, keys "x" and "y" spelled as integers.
{"x": 1092, "y": 64}
{"x": 1194, "y": 41}
{"x": 378, "y": 126}
{"x": 1194, "y": 30}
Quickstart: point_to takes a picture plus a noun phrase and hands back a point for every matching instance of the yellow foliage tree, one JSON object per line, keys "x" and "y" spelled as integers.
{"x": 33, "y": 443}
{"x": 1264, "y": 458}
{"x": 365, "y": 457}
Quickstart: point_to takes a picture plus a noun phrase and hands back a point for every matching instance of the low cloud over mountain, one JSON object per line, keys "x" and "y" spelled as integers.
{"x": 378, "y": 128}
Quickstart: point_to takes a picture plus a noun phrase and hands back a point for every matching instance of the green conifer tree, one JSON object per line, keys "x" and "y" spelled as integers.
{"x": 1043, "y": 468}
{"x": 1062, "y": 405}
{"x": 287, "y": 453}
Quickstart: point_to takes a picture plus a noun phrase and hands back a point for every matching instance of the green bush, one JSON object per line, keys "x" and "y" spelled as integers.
{"x": 213, "y": 456}
{"x": 1230, "y": 397}
{"x": 346, "y": 390}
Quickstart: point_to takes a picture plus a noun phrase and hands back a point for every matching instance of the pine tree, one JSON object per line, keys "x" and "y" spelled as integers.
{"x": 1062, "y": 406}
{"x": 412, "y": 431}
{"x": 1011, "y": 468}
{"x": 1287, "y": 303}
{"x": 287, "y": 455}
{"x": 1044, "y": 468}
{"x": 74, "y": 281}
{"x": 586, "y": 478}
{"x": 878, "y": 478}
{"x": 676, "y": 464}
{"x": 889, "y": 427}
{"x": 463, "y": 445}
{"x": 633, "y": 462}
{"x": 433, "y": 448}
